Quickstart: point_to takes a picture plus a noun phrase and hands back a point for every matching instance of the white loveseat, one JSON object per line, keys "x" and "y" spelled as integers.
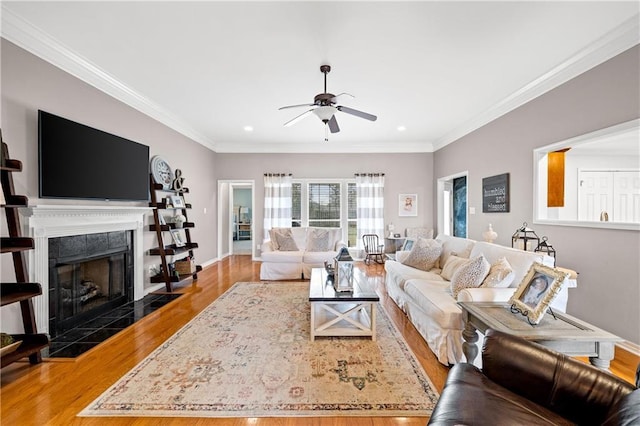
{"x": 426, "y": 297}
{"x": 313, "y": 246}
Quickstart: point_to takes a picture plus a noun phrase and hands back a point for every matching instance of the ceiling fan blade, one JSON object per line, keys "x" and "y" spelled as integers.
{"x": 344, "y": 94}
{"x": 357, "y": 113}
{"x": 298, "y": 118}
{"x": 295, "y": 106}
{"x": 333, "y": 124}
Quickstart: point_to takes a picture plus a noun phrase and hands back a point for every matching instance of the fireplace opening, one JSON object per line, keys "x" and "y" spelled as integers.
{"x": 88, "y": 276}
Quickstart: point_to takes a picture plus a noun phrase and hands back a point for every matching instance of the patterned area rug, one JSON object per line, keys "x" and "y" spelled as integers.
{"x": 248, "y": 354}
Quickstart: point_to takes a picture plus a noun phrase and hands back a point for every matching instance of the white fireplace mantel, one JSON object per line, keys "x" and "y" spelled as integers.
{"x": 50, "y": 221}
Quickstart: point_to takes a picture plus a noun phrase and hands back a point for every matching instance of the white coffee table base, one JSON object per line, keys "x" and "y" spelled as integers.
{"x": 343, "y": 319}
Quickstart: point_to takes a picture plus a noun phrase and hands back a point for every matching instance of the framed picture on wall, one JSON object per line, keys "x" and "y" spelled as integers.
{"x": 408, "y": 205}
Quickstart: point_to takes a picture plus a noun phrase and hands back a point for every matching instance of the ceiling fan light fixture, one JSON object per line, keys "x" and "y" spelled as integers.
{"x": 325, "y": 112}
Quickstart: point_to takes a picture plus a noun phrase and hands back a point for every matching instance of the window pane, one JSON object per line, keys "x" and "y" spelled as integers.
{"x": 352, "y": 199}
{"x": 296, "y": 204}
{"x": 324, "y": 202}
{"x": 353, "y": 233}
{"x": 325, "y": 223}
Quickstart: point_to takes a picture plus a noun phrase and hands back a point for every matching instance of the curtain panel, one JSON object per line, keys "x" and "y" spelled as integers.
{"x": 277, "y": 201}
{"x": 370, "y": 205}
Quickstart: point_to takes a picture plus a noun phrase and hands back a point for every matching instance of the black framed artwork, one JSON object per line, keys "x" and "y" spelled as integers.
{"x": 495, "y": 194}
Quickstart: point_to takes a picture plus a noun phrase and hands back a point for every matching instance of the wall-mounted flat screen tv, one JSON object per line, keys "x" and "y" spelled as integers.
{"x": 79, "y": 162}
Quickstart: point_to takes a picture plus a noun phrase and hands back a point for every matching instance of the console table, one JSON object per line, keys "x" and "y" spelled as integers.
{"x": 564, "y": 333}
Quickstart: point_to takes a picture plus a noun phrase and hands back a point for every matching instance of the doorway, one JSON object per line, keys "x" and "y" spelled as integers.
{"x": 236, "y": 202}
{"x": 242, "y": 220}
{"x": 452, "y": 205}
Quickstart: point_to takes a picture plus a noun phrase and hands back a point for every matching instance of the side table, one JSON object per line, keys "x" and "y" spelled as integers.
{"x": 392, "y": 245}
{"x": 564, "y": 333}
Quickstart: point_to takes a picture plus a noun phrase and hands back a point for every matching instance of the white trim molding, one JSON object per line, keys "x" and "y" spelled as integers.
{"x": 41, "y": 44}
{"x": 611, "y": 44}
{"x": 32, "y": 39}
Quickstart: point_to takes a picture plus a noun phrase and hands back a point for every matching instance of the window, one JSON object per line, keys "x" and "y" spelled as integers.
{"x": 296, "y": 207}
{"x": 593, "y": 195}
{"x": 325, "y": 203}
{"x": 352, "y": 216}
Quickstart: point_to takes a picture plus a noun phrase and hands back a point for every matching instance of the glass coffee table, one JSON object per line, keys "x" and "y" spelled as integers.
{"x": 563, "y": 333}
{"x": 341, "y": 313}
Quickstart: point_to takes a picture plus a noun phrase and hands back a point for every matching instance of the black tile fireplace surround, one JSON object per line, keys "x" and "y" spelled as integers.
{"x": 89, "y": 275}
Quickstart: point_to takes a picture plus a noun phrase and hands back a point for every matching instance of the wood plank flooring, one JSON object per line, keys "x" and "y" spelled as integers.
{"x": 52, "y": 393}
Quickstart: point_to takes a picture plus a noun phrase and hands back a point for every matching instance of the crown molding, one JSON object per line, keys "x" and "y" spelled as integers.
{"x": 32, "y": 39}
{"x": 622, "y": 38}
{"x": 27, "y": 36}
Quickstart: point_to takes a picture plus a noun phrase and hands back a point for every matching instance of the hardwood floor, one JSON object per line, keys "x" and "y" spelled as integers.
{"x": 52, "y": 393}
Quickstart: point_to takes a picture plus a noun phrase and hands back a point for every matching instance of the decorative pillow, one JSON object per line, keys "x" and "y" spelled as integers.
{"x": 272, "y": 236}
{"x": 284, "y": 240}
{"x": 318, "y": 240}
{"x": 451, "y": 266}
{"x": 424, "y": 254}
{"x": 470, "y": 275}
{"x": 501, "y": 275}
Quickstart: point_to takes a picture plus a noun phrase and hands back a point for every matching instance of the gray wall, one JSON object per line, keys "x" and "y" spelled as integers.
{"x": 404, "y": 173}
{"x": 29, "y": 84}
{"x": 609, "y": 290}
{"x": 608, "y": 293}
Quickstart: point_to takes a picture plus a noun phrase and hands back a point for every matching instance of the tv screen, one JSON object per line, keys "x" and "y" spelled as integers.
{"x": 79, "y": 162}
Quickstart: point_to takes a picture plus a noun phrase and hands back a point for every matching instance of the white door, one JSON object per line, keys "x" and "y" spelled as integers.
{"x": 611, "y": 194}
{"x": 626, "y": 200}
{"x": 596, "y": 195}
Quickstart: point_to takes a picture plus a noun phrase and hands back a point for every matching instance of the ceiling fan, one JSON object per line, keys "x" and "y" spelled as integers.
{"x": 324, "y": 106}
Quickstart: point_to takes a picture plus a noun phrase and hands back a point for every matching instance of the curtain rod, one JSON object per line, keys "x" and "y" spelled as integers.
{"x": 369, "y": 174}
{"x": 278, "y": 174}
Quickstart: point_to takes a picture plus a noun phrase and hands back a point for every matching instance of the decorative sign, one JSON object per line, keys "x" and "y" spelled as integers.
{"x": 495, "y": 194}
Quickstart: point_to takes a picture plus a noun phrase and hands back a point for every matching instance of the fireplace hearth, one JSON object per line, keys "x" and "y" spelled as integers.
{"x": 88, "y": 275}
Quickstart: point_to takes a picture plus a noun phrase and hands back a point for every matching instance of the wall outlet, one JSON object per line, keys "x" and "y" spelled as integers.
{"x": 258, "y": 246}
{"x": 472, "y": 210}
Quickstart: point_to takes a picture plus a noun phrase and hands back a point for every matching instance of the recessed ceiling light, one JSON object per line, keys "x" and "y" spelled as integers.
{"x": 401, "y": 128}
{"x": 248, "y": 129}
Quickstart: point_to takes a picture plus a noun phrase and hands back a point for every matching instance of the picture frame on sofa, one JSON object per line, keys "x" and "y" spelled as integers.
{"x": 536, "y": 292}
{"x": 408, "y": 244}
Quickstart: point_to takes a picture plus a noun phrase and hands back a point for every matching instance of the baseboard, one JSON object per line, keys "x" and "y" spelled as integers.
{"x": 209, "y": 262}
{"x": 153, "y": 288}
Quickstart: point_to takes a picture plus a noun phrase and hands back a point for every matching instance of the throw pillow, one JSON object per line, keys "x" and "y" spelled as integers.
{"x": 501, "y": 275}
{"x": 285, "y": 240}
{"x": 318, "y": 240}
{"x": 424, "y": 254}
{"x": 451, "y": 266}
{"x": 470, "y": 275}
{"x": 272, "y": 237}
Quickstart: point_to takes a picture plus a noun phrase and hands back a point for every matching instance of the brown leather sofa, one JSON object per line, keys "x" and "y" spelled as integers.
{"x": 523, "y": 383}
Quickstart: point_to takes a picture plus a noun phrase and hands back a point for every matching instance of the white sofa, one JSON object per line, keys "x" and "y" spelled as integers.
{"x": 426, "y": 298}
{"x": 295, "y": 264}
